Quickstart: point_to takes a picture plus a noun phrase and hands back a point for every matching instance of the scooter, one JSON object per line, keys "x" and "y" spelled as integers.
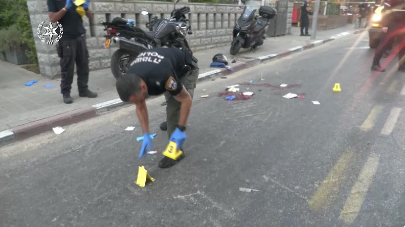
{"x": 250, "y": 29}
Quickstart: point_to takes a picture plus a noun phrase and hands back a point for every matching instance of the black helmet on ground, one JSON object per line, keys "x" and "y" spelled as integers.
{"x": 220, "y": 58}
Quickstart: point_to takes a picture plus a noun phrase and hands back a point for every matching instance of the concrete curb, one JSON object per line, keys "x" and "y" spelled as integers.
{"x": 40, "y": 126}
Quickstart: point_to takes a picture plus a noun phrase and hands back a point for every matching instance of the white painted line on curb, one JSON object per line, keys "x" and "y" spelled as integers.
{"x": 108, "y": 103}
{"x": 391, "y": 121}
{"x": 6, "y": 133}
{"x": 296, "y": 48}
{"x": 317, "y": 43}
{"x": 202, "y": 75}
{"x": 267, "y": 56}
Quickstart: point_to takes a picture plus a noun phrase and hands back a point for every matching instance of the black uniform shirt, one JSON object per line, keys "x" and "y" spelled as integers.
{"x": 71, "y": 22}
{"x": 160, "y": 68}
{"x": 304, "y": 12}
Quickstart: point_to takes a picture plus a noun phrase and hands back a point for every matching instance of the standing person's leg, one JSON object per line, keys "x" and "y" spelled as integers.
{"x": 67, "y": 53}
{"x": 302, "y": 26}
{"x": 380, "y": 51}
{"x": 173, "y": 113}
{"x": 306, "y": 25}
{"x": 82, "y": 63}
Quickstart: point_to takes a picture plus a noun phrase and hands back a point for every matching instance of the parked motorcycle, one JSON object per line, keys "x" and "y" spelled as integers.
{"x": 170, "y": 32}
{"x": 250, "y": 29}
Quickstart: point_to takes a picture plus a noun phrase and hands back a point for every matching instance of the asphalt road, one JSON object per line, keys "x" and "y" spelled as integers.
{"x": 339, "y": 163}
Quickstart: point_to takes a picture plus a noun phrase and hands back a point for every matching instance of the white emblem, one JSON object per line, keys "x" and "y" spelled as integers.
{"x": 50, "y": 34}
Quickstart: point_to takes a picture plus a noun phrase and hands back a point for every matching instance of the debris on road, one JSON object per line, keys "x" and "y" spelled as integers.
{"x": 58, "y": 130}
{"x": 232, "y": 97}
{"x": 143, "y": 176}
{"x": 251, "y": 81}
{"x": 301, "y": 96}
{"x": 290, "y": 96}
{"x": 235, "y": 85}
{"x": 248, "y": 93}
{"x": 152, "y": 152}
{"x": 238, "y": 95}
{"x": 31, "y": 83}
{"x": 248, "y": 190}
{"x": 223, "y": 77}
{"x": 48, "y": 85}
{"x": 316, "y": 102}
{"x": 283, "y": 85}
{"x": 130, "y": 128}
{"x": 233, "y": 89}
{"x": 141, "y": 137}
{"x": 205, "y": 96}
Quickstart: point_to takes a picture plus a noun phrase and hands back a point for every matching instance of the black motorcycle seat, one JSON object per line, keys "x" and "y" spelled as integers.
{"x": 261, "y": 23}
{"x": 150, "y": 35}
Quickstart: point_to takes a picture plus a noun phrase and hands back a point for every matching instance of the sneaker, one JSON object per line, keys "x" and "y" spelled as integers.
{"x": 67, "y": 99}
{"x": 88, "y": 94}
{"x": 163, "y": 126}
{"x": 168, "y": 162}
{"x": 377, "y": 68}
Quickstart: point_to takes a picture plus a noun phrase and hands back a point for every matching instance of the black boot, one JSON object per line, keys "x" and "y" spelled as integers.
{"x": 67, "y": 99}
{"x": 168, "y": 162}
{"x": 163, "y": 126}
{"x": 87, "y": 93}
{"x": 377, "y": 68}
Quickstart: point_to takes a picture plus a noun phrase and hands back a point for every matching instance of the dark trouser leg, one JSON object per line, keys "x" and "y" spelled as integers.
{"x": 82, "y": 63}
{"x": 302, "y": 26}
{"x": 67, "y": 64}
{"x": 401, "y": 46}
{"x": 382, "y": 47}
{"x": 173, "y": 107}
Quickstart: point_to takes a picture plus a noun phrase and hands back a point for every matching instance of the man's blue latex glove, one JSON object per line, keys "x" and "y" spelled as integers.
{"x": 147, "y": 143}
{"x": 69, "y": 3}
{"x": 178, "y": 137}
{"x": 86, "y": 5}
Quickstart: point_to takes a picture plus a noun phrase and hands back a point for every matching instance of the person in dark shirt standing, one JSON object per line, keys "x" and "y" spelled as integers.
{"x": 155, "y": 72}
{"x": 72, "y": 47}
{"x": 305, "y": 11}
{"x": 393, "y": 22}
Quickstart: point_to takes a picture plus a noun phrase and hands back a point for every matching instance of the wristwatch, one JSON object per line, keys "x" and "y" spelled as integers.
{"x": 182, "y": 128}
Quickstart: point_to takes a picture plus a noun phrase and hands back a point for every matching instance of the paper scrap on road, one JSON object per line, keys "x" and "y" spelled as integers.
{"x": 316, "y": 102}
{"x": 152, "y": 152}
{"x": 58, "y": 130}
{"x": 141, "y": 137}
{"x": 233, "y": 89}
{"x": 205, "y": 96}
{"x": 130, "y": 128}
{"x": 248, "y": 93}
{"x": 248, "y": 190}
{"x": 283, "y": 85}
{"x": 235, "y": 85}
{"x": 290, "y": 96}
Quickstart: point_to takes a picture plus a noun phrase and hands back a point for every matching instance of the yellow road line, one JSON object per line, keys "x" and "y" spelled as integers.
{"x": 325, "y": 194}
{"x": 368, "y": 124}
{"x": 358, "y": 193}
{"x": 391, "y": 121}
{"x": 391, "y": 89}
{"x": 403, "y": 90}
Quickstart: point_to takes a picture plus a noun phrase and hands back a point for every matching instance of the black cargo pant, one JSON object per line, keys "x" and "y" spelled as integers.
{"x": 73, "y": 51}
{"x": 395, "y": 31}
{"x": 304, "y": 25}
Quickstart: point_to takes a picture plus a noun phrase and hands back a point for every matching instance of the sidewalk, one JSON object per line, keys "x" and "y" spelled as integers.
{"x": 21, "y": 105}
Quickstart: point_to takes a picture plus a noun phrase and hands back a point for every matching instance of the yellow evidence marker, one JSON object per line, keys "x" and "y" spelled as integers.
{"x": 172, "y": 151}
{"x": 336, "y": 88}
{"x": 143, "y": 176}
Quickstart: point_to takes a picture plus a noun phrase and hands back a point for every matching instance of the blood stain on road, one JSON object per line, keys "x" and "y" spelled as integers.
{"x": 272, "y": 86}
{"x": 238, "y": 95}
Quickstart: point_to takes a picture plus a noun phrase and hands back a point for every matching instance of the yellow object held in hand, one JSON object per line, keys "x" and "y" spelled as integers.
{"x": 172, "y": 151}
{"x": 79, "y": 2}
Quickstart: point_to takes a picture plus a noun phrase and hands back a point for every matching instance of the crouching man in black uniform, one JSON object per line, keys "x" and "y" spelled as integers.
{"x": 158, "y": 71}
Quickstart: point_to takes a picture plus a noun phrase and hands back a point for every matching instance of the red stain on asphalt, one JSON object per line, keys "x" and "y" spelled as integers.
{"x": 238, "y": 95}
{"x": 271, "y": 86}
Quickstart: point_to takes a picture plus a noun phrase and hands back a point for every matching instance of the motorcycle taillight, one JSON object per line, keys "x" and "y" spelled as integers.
{"x": 112, "y": 31}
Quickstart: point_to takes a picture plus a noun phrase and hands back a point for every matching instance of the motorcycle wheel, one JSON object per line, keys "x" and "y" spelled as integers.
{"x": 120, "y": 62}
{"x": 235, "y": 47}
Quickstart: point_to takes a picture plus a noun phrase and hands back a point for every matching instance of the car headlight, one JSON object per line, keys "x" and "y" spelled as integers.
{"x": 377, "y": 17}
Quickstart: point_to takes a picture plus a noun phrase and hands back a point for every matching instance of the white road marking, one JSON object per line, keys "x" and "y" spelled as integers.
{"x": 391, "y": 121}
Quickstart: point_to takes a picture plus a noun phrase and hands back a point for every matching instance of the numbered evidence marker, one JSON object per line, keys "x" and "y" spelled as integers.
{"x": 172, "y": 151}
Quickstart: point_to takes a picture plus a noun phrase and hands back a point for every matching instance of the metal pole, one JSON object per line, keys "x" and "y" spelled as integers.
{"x": 315, "y": 19}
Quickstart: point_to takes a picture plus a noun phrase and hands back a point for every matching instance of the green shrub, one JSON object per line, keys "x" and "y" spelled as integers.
{"x": 24, "y": 25}
{"x": 10, "y": 38}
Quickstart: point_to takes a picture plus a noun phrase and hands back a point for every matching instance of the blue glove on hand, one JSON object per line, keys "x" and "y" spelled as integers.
{"x": 86, "y": 5}
{"x": 178, "y": 137}
{"x": 69, "y": 3}
{"x": 147, "y": 143}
